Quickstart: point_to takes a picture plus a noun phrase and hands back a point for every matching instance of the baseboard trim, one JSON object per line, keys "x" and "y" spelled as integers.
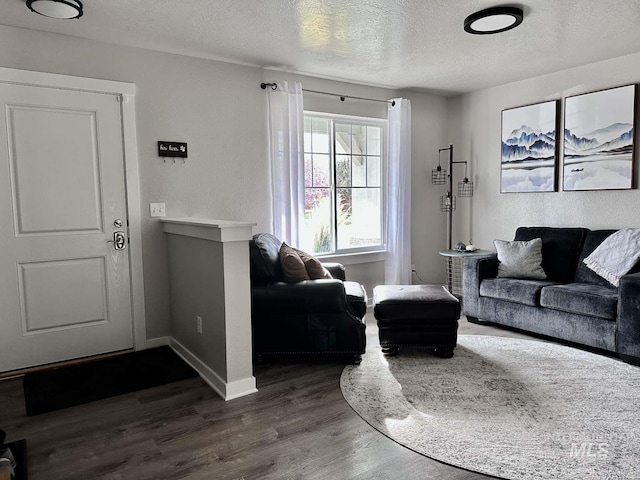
{"x": 157, "y": 342}
{"x": 228, "y": 391}
{"x": 240, "y": 388}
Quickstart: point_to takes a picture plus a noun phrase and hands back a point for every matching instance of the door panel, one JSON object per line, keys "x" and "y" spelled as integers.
{"x": 62, "y": 294}
{"x": 64, "y": 288}
{"x": 43, "y": 203}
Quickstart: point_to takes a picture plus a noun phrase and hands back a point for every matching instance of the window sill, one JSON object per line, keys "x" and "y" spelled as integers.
{"x": 354, "y": 258}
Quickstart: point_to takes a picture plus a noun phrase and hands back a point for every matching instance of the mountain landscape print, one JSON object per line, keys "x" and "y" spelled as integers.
{"x": 598, "y": 140}
{"x": 529, "y": 154}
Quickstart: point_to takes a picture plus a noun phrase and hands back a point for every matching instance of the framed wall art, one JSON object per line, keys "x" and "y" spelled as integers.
{"x": 598, "y": 140}
{"x": 530, "y": 148}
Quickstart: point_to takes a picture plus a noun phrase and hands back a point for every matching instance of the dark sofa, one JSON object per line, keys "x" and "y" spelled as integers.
{"x": 308, "y": 317}
{"x": 572, "y": 304}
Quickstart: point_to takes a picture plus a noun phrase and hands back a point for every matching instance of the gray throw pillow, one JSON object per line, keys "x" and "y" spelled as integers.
{"x": 520, "y": 259}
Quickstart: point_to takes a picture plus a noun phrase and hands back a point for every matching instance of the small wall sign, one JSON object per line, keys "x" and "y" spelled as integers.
{"x": 172, "y": 149}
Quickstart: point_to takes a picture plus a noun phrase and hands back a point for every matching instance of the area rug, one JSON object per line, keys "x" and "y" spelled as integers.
{"x": 87, "y": 382}
{"x": 511, "y": 408}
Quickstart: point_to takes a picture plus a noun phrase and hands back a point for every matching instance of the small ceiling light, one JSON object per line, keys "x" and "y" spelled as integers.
{"x": 56, "y": 8}
{"x": 493, "y": 20}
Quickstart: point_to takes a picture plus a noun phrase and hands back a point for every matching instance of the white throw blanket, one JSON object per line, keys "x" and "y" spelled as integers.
{"x": 616, "y": 255}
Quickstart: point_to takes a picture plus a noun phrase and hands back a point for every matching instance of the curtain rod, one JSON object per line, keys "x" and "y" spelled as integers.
{"x": 274, "y": 86}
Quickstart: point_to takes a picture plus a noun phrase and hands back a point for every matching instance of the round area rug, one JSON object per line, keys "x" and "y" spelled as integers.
{"x": 511, "y": 408}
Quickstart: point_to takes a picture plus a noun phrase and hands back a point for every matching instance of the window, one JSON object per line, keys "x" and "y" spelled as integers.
{"x": 343, "y": 188}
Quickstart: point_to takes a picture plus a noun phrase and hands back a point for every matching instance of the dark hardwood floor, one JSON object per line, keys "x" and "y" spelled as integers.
{"x": 298, "y": 426}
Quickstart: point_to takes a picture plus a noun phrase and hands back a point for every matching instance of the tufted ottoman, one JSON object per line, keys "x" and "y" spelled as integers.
{"x": 422, "y": 315}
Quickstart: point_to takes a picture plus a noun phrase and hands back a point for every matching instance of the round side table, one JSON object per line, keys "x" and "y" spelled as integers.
{"x": 453, "y": 264}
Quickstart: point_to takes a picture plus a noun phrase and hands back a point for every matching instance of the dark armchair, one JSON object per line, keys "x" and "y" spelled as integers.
{"x": 307, "y": 317}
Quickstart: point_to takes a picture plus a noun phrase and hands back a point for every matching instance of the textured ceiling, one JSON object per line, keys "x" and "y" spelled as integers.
{"x": 415, "y": 44}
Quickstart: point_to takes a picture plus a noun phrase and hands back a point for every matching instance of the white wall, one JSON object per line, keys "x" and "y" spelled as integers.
{"x": 474, "y": 128}
{"x": 219, "y": 109}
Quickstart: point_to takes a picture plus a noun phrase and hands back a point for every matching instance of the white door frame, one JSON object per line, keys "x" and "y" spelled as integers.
{"x": 126, "y": 93}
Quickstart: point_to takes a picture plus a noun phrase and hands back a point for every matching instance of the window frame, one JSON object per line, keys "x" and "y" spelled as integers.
{"x": 381, "y": 123}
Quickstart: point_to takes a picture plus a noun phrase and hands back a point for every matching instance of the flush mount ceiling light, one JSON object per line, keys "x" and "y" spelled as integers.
{"x": 56, "y": 8}
{"x": 493, "y": 20}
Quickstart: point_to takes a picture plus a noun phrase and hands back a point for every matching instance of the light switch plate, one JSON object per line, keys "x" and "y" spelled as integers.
{"x": 157, "y": 209}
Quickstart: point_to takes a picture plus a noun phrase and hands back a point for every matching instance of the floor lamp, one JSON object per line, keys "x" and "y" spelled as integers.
{"x": 440, "y": 176}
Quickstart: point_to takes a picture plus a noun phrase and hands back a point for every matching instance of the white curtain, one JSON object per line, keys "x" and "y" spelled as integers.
{"x": 286, "y": 152}
{"x": 397, "y": 268}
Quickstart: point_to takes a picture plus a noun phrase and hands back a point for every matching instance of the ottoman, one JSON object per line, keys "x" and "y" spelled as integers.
{"x": 420, "y": 315}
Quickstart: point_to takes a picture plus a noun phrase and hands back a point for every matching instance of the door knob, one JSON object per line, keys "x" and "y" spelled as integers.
{"x": 119, "y": 241}
{"x": 118, "y": 223}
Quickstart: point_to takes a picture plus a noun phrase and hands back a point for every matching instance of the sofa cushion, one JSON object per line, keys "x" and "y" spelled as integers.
{"x": 520, "y": 259}
{"x": 265, "y": 262}
{"x": 592, "y": 240}
{"x": 560, "y": 249}
{"x": 293, "y": 267}
{"x": 515, "y": 290}
{"x": 356, "y": 298}
{"x": 315, "y": 269}
{"x": 336, "y": 270}
{"x": 583, "y": 299}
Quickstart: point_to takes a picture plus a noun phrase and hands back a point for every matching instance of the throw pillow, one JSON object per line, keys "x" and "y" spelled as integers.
{"x": 292, "y": 265}
{"x": 520, "y": 259}
{"x": 315, "y": 270}
{"x": 560, "y": 249}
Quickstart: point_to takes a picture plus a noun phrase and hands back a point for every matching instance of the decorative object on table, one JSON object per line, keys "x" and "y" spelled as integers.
{"x": 530, "y": 148}
{"x": 460, "y": 247}
{"x": 448, "y": 201}
{"x": 506, "y": 407}
{"x": 599, "y": 140}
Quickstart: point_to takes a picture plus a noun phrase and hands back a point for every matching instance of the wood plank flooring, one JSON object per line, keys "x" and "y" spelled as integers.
{"x": 298, "y": 426}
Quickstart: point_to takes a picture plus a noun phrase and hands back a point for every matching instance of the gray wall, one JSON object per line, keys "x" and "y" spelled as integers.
{"x": 196, "y": 270}
{"x": 475, "y": 129}
{"x": 219, "y": 109}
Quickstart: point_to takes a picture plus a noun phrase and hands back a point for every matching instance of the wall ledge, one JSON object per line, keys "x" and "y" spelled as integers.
{"x": 207, "y": 229}
{"x": 354, "y": 258}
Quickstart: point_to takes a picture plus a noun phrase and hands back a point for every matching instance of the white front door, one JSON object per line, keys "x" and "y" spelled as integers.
{"x": 64, "y": 287}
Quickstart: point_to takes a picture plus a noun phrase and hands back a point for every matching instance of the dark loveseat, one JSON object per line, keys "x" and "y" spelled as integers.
{"x": 572, "y": 304}
{"x": 307, "y": 317}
